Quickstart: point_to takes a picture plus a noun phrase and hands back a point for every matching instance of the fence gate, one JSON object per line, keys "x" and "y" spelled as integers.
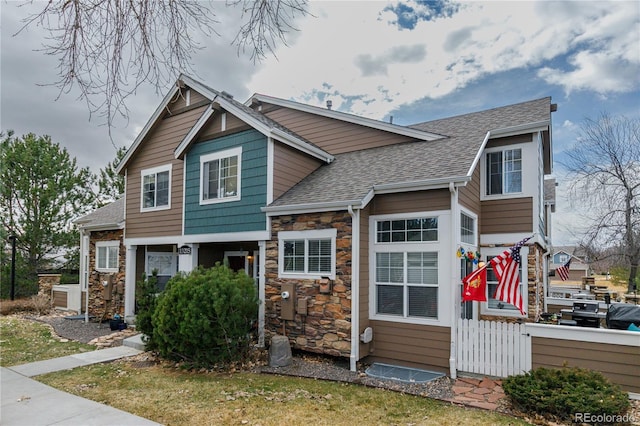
{"x": 492, "y": 348}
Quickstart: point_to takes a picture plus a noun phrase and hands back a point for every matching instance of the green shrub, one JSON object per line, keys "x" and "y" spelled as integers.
{"x": 206, "y": 318}
{"x": 146, "y": 301}
{"x": 562, "y": 393}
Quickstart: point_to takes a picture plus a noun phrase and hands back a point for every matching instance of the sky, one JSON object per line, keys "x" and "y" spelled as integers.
{"x": 413, "y": 61}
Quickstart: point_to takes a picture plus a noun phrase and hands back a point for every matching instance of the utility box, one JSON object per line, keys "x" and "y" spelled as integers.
{"x": 107, "y": 283}
{"x": 302, "y": 306}
{"x": 288, "y": 302}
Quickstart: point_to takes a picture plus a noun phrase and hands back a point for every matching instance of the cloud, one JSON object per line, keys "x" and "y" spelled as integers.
{"x": 409, "y": 14}
{"x": 370, "y": 65}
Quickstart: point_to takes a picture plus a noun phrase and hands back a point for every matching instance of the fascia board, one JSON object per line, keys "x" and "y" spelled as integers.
{"x": 101, "y": 227}
{"x": 349, "y": 118}
{"x": 186, "y": 141}
{"x": 199, "y": 87}
{"x": 519, "y": 129}
{"x": 136, "y": 143}
{"x": 421, "y": 185}
{"x": 478, "y": 154}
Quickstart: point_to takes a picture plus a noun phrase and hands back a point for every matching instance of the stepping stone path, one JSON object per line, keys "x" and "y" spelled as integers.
{"x": 481, "y": 393}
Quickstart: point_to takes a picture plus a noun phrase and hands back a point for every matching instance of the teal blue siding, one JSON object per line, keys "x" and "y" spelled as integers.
{"x": 233, "y": 216}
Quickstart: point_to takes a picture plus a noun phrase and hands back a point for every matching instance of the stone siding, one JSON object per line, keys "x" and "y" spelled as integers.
{"x": 46, "y": 283}
{"x": 98, "y": 306}
{"x": 535, "y": 288}
{"x": 326, "y": 328}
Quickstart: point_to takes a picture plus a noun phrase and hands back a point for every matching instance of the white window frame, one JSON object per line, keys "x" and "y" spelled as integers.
{"x": 319, "y": 234}
{"x": 484, "y": 307}
{"x": 483, "y": 172}
{"x": 107, "y": 245}
{"x": 217, "y": 156}
{"x": 155, "y": 171}
{"x": 438, "y": 246}
{"x": 473, "y": 217}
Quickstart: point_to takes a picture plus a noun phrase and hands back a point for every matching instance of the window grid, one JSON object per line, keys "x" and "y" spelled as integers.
{"x": 308, "y": 256}
{"x": 220, "y": 178}
{"x": 467, "y": 229}
{"x": 107, "y": 257}
{"x": 155, "y": 189}
{"x": 504, "y": 172}
{"x": 407, "y": 230}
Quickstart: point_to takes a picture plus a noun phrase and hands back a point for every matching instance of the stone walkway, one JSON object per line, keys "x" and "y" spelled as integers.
{"x": 481, "y": 393}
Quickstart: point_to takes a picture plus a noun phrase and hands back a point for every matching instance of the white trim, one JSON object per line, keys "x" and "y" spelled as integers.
{"x": 454, "y": 229}
{"x": 584, "y": 334}
{"x": 537, "y": 126}
{"x": 187, "y": 97}
{"x": 440, "y": 246}
{"x": 201, "y": 238}
{"x": 223, "y": 121}
{"x": 474, "y": 216}
{"x": 262, "y": 247}
{"x": 422, "y": 185}
{"x": 243, "y": 253}
{"x": 349, "y": 118}
{"x": 155, "y": 171}
{"x": 270, "y": 169}
{"x": 219, "y": 155}
{"x": 479, "y": 154}
{"x": 107, "y": 245}
{"x": 191, "y": 134}
{"x": 130, "y": 282}
{"x": 315, "y": 234}
{"x": 354, "y": 356}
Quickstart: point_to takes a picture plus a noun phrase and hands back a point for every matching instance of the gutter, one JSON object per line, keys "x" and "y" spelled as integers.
{"x": 355, "y": 288}
{"x": 455, "y": 312}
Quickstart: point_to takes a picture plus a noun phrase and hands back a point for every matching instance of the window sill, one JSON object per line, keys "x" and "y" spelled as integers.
{"x": 219, "y": 200}
{"x": 409, "y": 320}
{"x": 107, "y": 270}
{"x": 154, "y": 209}
{"x": 303, "y": 276}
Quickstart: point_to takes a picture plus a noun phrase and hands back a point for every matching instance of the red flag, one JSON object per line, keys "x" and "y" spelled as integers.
{"x": 563, "y": 271}
{"x": 507, "y": 269}
{"x": 475, "y": 285}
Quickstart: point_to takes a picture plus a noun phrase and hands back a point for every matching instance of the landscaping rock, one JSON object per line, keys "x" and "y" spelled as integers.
{"x": 280, "y": 352}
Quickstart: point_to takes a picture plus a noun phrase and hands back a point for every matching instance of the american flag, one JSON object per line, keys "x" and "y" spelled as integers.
{"x": 563, "y": 271}
{"x": 507, "y": 268}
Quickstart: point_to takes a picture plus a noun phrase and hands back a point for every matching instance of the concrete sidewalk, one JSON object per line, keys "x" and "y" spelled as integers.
{"x": 28, "y": 402}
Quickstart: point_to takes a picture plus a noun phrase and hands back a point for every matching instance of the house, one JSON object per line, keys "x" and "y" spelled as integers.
{"x": 350, "y": 226}
{"x": 102, "y": 260}
{"x": 578, "y": 268}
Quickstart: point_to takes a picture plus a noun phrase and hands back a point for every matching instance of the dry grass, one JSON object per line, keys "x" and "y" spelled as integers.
{"x": 38, "y": 304}
{"x": 175, "y": 397}
{"x": 23, "y": 341}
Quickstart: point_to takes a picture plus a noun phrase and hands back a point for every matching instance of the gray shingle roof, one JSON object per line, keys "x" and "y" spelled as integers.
{"x": 110, "y": 215}
{"x": 352, "y": 175}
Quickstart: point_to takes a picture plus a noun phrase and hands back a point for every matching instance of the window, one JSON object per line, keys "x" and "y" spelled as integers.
{"x": 503, "y": 172}
{"x": 407, "y": 284}
{"x": 107, "y": 254}
{"x": 404, "y": 267}
{"x": 156, "y": 185}
{"x": 467, "y": 229}
{"x": 498, "y": 307}
{"x": 307, "y": 254}
{"x": 220, "y": 180}
{"x": 407, "y": 230}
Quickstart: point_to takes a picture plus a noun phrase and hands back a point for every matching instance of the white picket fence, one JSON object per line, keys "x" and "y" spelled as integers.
{"x": 492, "y": 348}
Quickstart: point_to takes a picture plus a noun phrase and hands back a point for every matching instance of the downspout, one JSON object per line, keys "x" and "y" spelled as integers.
{"x": 455, "y": 284}
{"x": 355, "y": 287}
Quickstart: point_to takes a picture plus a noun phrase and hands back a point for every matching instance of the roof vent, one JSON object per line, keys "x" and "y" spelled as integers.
{"x": 227, "y": 95}
{"x": 329, "y": 103}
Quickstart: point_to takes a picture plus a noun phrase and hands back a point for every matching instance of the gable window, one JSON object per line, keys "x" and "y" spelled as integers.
{"x": 156, "y": 184}
{"x": 503, "y": 172}
{"x": 307, "y": 254}
{"x": 220, "y": 179}
{"x": 107, "y": 254}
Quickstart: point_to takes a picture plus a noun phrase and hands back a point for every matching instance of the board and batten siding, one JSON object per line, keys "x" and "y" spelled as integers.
{"x": 158, "y": 150}
{"x": 506, "y": 216}
{"x": 290, "y": 166}
{"x": 233, "y": 216}
{"x": 411, "y": 345}
{"x": 332, "y": 135}
{"x": 619, "y": 363}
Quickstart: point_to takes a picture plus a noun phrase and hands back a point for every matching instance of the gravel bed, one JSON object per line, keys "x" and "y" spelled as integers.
{"x": 77, "y": 330}
{"x": 318, "y": 367}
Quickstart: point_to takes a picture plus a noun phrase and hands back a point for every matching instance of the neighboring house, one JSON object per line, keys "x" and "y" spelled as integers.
{"x": 102, "y": 260}
{"x": 350, "y": 226}
{"x": 578, "y": 268}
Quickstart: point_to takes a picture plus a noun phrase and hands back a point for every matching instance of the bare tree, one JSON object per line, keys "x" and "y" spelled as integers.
{"x": 604, "y": 166}
{"x": 109, "y": 48}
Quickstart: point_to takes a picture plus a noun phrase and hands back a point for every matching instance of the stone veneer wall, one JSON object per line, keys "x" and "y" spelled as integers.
{"x": 326, "y": 328}
{"x": 98, "y": 306}
{"x": 535, "y": 288}
{"x": 46, "y": 283}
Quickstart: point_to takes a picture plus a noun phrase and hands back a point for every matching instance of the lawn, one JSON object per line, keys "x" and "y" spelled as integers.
{"x": 172, "y": 396}
{"x": 23, "y": 341}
